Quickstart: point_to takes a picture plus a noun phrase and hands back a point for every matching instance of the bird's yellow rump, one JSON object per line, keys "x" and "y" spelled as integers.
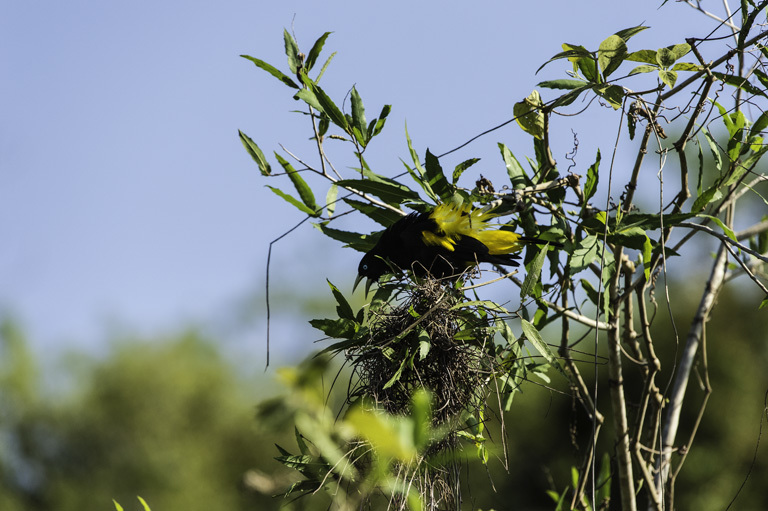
{"x": 453, "y": 222}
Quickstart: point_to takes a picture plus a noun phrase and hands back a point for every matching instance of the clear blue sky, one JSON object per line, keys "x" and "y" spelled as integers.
{"x": 126, "y": 198}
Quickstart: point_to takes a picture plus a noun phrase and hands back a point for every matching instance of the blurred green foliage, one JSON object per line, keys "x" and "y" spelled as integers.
{"x": 168, "y": 419}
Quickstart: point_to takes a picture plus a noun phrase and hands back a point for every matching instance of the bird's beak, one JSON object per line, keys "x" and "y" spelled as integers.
{"x": 368, "y": 284}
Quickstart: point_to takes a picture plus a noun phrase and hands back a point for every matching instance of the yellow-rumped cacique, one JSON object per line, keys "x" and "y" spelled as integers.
{"x": 443, "y": 243}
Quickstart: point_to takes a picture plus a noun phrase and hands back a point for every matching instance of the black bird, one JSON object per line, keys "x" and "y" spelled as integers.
{"x": 443, "y": 243}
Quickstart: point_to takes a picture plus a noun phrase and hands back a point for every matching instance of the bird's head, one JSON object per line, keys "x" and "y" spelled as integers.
{"x": 372, "y": 267}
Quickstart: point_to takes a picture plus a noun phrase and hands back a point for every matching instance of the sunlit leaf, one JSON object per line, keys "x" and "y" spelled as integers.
{"x": 255, "y": 153}
{"x": 272, "y": 70}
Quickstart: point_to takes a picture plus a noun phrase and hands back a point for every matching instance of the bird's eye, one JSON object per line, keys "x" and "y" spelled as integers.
{"x": 365, "y": 267}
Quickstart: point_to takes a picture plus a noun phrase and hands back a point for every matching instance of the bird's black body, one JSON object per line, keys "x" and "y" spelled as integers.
{"x": 405, "y": 246}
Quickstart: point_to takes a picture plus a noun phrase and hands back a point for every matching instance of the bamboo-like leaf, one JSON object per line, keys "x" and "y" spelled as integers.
{"x": 330, "y": 199}
{"x": 294, "y": 201}
{"x": 534, "y": 337}
{"x": 355, "y": 240}
{"x": 272, "y": 70}
{"x": 255, "y": 153}
{"x": 358, "y": 117}
{"x": 436, "y": 178}
{"x": 382, "y": 216}
{"x": 515, "y": 171}
{"x": 461, "y": 167}
{"x": 728, "y": 231}
{"x": 329, "y": 107}
{"x": 593, "y": 175}
{"x": 563, "y": 83}
{"x": 309, "y": 98}
{"x": 534, "y": 272}
{"x": 292, "y": 52}
{"x": 389, "y": 193}
{"x": 627, "y": 33}
{"x": 343, "y": 309}
{"x": 378, "y": 124}
{"x": 305, "y": 192}
{"x": 647, "y": 250}
{"x": 315, "y": 51}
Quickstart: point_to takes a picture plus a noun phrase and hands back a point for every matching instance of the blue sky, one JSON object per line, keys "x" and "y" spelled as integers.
{"x": 127, "y": 202}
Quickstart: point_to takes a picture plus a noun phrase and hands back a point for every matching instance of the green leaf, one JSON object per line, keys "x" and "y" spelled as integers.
{"x": 309, "y": 98}
{"x": 378, "y": 124}
{"x": 294, "y": 201}
{"x": 436, "y": 178}
{"x": 461, "y": 167}
{"x": 627, "y": 33}
{"x": 571, "y": 52}
{"x": 741, "y": 168}
{"x": 645, "y": 68}
{"x": 272, "y": 70}
{"x": 686, "y": 66}
{"x": 255, "y": 153}
{"x": 647, "y": 56}
{"x": 514, "y": 170}
{"x": 325, "y": 66}
{"x": 710, "y": 195}
{"x": 396, "y": 376}
{"x": 611, "y": 54}
{"x": 358, "y": 117}
{"x": 763, "y": 304}
{"x": 118, "y": 507}
{"x": 563, "y": 83}
{"x": 341, "y": 328}
{"x": 534, "y": 337}
{"x": 593, "y": 175}
{"x": 665, "y": 57}
{"x": 647, "y": 250}
{"x": 668, "y": 77}
{"x": 355, "y": 240}
{"x": 759, "y": 126}
{"x": 714, "y": 149}
{"x": 585, "y": 253}
{"x": 343, "y": 309}
{"x": 534, "y": 272}
{"x": 529, "y": 116}
{"x": 292, "y": 51}
{"x": 739, "y": 82}
{"x": 305, "y": 192}
{"x": 424, "y": 344}
{"x": 389, "y": 193}
{"x": 315, "y": 51}
{"x": 568, "y": 98}
{"x": 614, "y": 94}
{"x": 330, "y": 199}
{"x": 678, "y": 51}
{"x": 329, "y": 108}
{"x": 728, "y": 232}
{"x": 382, "y": 216}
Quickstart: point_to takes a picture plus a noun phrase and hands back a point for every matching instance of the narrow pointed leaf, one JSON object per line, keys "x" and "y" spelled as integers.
{"x": 255, "y": 153}
{"x": 330, "y": 108}
{"x": 534, "y": 272}
{"x": 461, "y": 167}
{"x": 305, "y": 192}
{"x": 593, "y": 175}
{"x": 436, "y": 178}
{"x": 315, "y": 51}
{"x": 272, "y": 70}
{"x": 294, "y": 201}
{"x": 292, "y": 52}
{"x": 358, "y": 117}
